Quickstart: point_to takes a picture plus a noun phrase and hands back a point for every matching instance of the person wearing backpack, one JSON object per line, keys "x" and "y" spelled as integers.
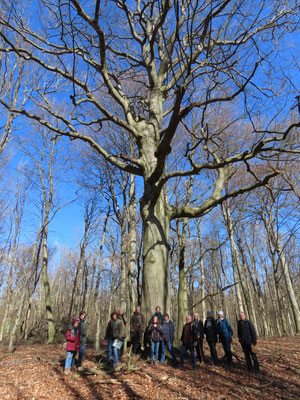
{"x": 225, "y": 336}
{"x": 168, "y": 331}
{"x": 247, "y": 339}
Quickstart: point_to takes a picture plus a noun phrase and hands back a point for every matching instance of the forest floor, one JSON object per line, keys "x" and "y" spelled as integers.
{"x": 36, "y": 372}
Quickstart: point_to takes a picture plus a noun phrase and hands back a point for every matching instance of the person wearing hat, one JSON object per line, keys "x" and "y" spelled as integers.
{"x": 225, "y": 336}
{"x": 247, "y": 338}
{"x": 72, "y": 346}
{"x": 210, "y": 331}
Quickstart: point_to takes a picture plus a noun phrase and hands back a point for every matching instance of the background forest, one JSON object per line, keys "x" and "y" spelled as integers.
{"x": 152, "y": 163}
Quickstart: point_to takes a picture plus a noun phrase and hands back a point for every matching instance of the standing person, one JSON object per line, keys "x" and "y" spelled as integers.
{"x": 121, "y": 316}
{"x": 82, "y": 329}
{"x": 210, "y": 330}
{"x": 137, "y": 328}
{"x": 73, "y": 344}
{"x": 157, "y": 314}
{"x": 168, "y": 331}
{"x": 188, "y": 338}
{"x": 198, "y": 325}
{"x": 247, "y": 338}
{"x": 155, "y": 332}
{"x": 225, "y": 336}
{"x": 114, "y": 333}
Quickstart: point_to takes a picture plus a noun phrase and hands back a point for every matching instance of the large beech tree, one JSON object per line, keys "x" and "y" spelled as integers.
{"x": 146, "y": 67}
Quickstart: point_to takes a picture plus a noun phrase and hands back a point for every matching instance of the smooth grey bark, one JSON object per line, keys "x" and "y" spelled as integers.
{"x": 155, "y": 280}
{"x": 77, "y": 292}
{"x": 48, "y": 202}
{"x": 97, "y": 287}
{"x": 256, "y": 287}
{"x": 238, "y": 278}
{"x": 182, "y": 294}
{"x": 132, "y": 244}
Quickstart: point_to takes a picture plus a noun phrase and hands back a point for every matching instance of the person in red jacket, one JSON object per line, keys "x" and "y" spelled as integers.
{"x": 73, "y": 344}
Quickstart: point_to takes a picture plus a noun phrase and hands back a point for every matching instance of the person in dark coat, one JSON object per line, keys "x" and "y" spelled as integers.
{"x": 225, "y": 336}
{"x": 168, "y": 331}
{"x": 188, "y": 338}
{"x": 198, "y": 325}
{"x": 83, "y": 337}
{"x": 121, "y": 317}
{"x": 114, "y": 334}
{"x": 247, "y": 338}
{"x": 137, "y": 328}
{"x": 72, "y": 346}
{"x": 155, "y": 332}
{"x": 157, "y": 314}
{"x": 210, "y": 331}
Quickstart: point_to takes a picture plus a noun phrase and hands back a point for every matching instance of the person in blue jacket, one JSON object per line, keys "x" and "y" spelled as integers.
{"x": 225, "y": 336}
{"x": 168, "y": 331}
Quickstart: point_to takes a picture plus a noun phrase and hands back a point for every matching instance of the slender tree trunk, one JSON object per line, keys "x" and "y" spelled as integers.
{"x": 97, "y": 287}
{"x": 234, "y": 255}
{"x": 18, "y": 214}
{"x": 76, "y": 298}
{"x": 182, "y": 297}
{"x": 124, "y": 252}
{"x": 202, "y": 272}
{"x": 275, "y": 242}
{"x": 47, "y": 291}
{"x": 17, "y": 320}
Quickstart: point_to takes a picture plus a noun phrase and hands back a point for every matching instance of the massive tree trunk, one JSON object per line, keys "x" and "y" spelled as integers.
{"x": 132, "y": 247}
{"x": 155, "y": 280}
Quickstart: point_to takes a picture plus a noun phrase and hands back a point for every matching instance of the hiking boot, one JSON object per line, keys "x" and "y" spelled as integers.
{"x": 67, "y": 371}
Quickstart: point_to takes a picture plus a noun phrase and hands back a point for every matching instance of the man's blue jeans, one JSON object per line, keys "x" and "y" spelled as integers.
{"x": 80, "y": 355}
{"x": 114, "y": 350}
{"x": 183, "y": 351}
{"x": 70, "y": 359}
{"x": 154, "y": 350}
{"x": 167, "y": 344}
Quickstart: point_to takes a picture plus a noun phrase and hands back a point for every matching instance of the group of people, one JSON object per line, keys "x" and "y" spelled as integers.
{"x": 159, "y": 335}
